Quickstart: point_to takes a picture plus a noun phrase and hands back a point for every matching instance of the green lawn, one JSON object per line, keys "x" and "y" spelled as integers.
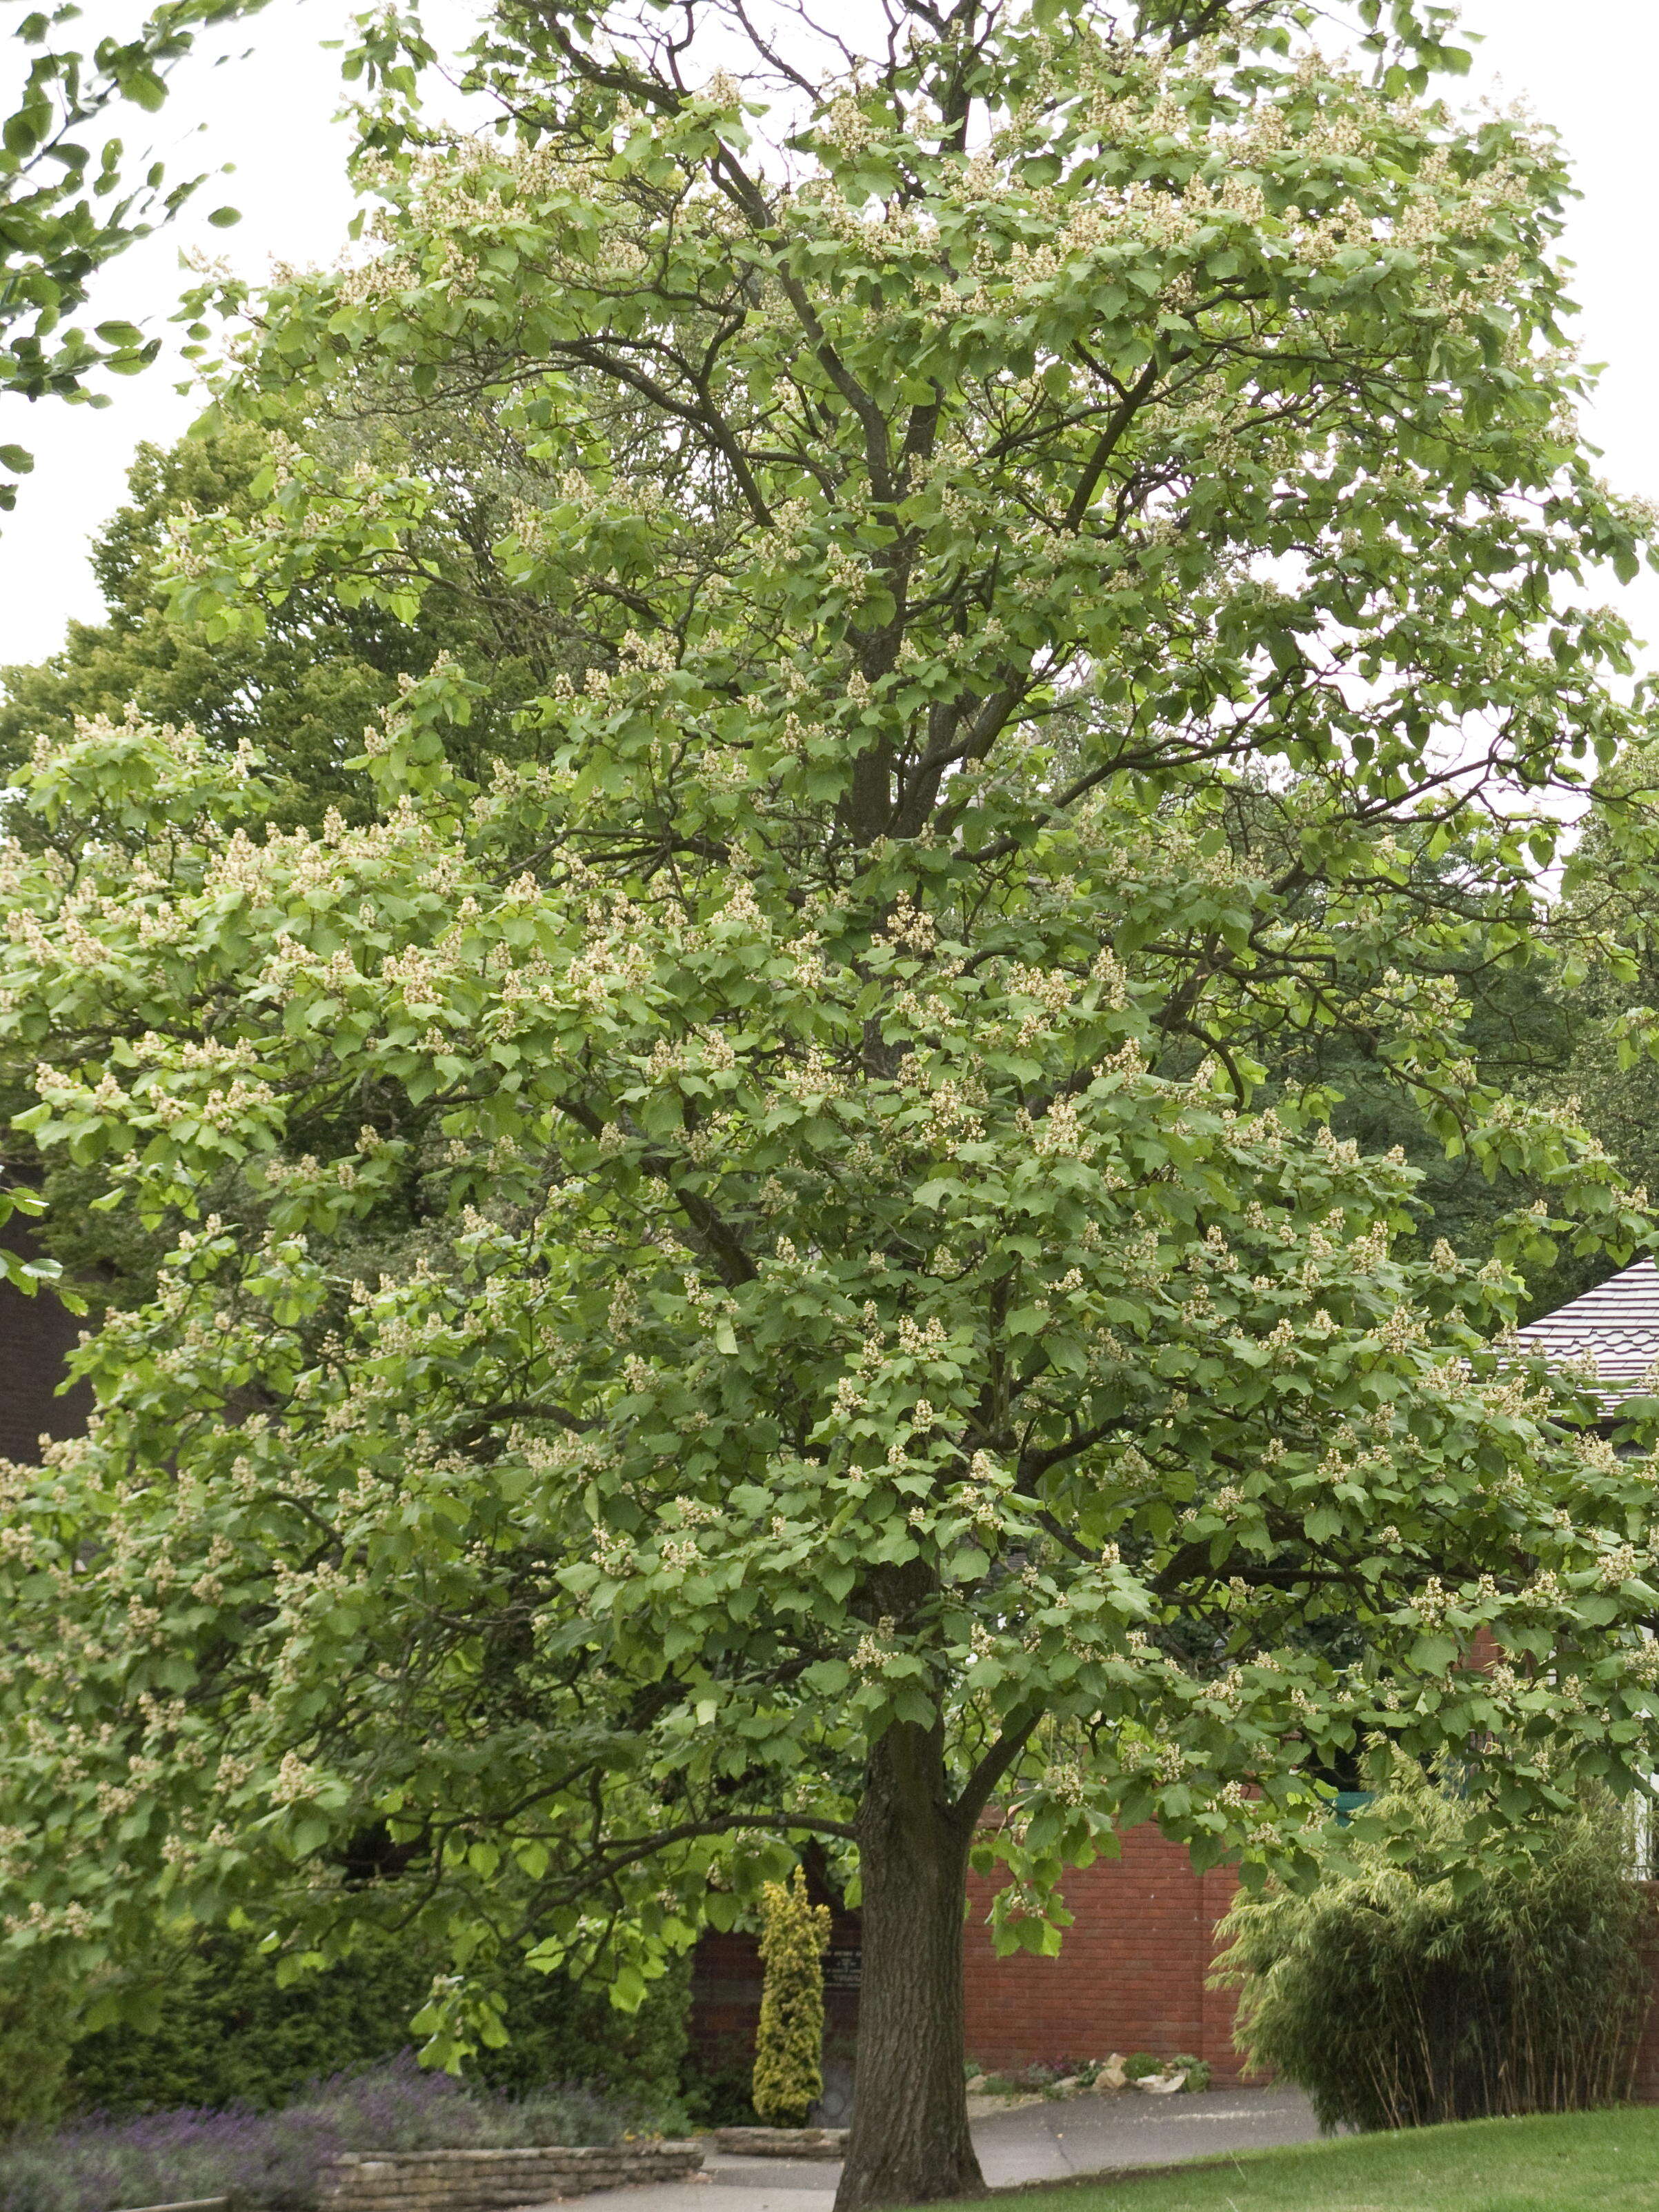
{"x": 1583, "y": 2162}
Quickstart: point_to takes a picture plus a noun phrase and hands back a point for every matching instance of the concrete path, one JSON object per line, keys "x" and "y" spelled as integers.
{"x": 1084, "y": 2135}
{"x": 1034, "y": 2142}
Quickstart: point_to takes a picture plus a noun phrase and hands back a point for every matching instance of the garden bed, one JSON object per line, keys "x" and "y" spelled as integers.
{"x": 1085, "y": 2077}
{"x": 389, "y": 2138}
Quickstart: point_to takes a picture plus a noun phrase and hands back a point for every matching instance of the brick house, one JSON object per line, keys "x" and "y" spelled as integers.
{"x": 1616, "y": 1325}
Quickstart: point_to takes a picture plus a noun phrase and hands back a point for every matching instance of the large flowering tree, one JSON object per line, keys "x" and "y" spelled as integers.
{"x": 739, "y": 1281}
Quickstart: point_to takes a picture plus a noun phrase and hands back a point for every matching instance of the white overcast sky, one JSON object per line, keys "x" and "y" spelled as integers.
{"x": 267, "y": 107}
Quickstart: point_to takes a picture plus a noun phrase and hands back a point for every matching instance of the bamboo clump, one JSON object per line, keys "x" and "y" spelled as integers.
{"x": 1398, "y": 1998}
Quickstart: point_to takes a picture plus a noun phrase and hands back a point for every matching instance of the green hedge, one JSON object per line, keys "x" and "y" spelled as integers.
{"x": 35, "y": 2034}
{"x": 227, "y": 2034}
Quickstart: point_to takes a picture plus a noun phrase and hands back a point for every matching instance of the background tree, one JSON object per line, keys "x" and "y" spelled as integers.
{"x": 56, "y": 239}
{"x": 762, "y": 1301}
{"x": 323, "y": 664}
{"x": 217, "y": 2021}
{"x": 1596, "y": 1027}
{"x": 305, "y": 690}
{"x": 322, "y": 668}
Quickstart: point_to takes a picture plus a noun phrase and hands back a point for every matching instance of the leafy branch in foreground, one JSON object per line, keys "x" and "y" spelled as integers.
{"x": 69, "y": 207}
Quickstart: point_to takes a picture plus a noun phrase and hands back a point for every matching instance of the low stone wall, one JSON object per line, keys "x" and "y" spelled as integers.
{"x": 495, "y": 2180}
{"x": 783, "y": 2142}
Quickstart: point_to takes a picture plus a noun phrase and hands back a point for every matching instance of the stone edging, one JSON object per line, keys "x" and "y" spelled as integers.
{"x": 494, "y": 2181}
{"x": 783, "y": 2142}
{"x": 192, "y": 2204}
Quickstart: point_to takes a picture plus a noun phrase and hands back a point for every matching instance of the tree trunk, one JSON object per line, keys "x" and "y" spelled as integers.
{"x": 909, "y": 2141}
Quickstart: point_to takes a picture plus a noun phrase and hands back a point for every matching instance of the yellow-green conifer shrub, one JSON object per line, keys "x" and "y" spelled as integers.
{"x": 789, "y": 2049}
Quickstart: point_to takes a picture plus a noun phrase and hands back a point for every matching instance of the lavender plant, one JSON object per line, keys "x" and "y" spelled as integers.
{"x": 276, "y": 2159}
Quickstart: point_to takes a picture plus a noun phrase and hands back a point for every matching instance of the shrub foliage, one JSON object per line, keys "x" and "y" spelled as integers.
{"x": 223, "y": 2029}
{"x": 1397, "y": 1997}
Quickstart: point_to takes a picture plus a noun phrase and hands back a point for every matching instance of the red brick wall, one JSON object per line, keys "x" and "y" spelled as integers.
{"x": 1130, "y": 1976}
{"x": 1131, "y": 1972}
{"x": 726, "y": 1996}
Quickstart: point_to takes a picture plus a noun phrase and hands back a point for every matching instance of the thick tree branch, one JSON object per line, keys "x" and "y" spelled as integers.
{"x": 976, "y": 1792}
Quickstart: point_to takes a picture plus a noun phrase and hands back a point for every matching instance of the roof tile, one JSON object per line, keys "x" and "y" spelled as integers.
{"x": 1616, "y": 1324}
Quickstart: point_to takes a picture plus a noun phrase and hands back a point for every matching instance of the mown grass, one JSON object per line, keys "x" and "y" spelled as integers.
{"x": 1578, "y": 2162}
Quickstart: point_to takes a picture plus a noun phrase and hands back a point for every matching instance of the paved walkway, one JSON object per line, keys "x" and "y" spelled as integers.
{"x": 1034, "y": 2142}
{"x": 1083, "y": 2134}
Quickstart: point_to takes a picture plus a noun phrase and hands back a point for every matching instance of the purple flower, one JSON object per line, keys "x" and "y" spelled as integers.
{"x": 276, "y": 2160}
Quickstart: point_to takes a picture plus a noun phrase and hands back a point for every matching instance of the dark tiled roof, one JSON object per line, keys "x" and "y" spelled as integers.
{"x": 1616, "y": 1324}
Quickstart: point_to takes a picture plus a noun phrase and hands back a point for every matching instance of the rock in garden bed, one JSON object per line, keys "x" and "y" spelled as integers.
{"x": 1098, "y": 2077}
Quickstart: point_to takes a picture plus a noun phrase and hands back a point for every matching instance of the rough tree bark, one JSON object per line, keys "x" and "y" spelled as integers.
{"x": 910, "y": 2142}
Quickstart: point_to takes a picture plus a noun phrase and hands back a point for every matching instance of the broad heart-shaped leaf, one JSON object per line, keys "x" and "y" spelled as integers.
{"x": 709, "y": 1228}
{"x": 1433, "y": 1655}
